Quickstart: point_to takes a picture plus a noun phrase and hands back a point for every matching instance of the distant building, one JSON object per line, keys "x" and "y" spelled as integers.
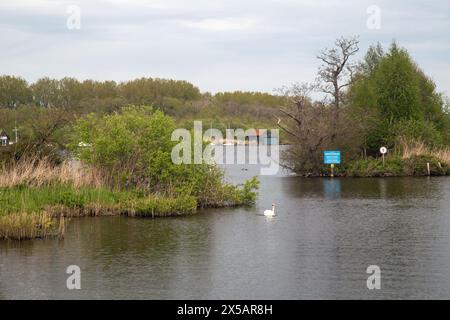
{"x": 4, "y": 139}
{"x": 255, "y": 137}
{"x": 261, "y": 136}
{"x": 269, "y": 139}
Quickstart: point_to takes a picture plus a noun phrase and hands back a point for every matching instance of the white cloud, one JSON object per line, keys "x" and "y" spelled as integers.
{"x": 220, "y": 24}
{"x": 217, "y": 45}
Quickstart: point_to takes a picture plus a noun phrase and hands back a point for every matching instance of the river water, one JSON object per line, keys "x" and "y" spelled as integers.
{"x": 325, "y": 235}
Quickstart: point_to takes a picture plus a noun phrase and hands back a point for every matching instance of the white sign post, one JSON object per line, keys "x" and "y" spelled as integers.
{"x": 383, "y": 151}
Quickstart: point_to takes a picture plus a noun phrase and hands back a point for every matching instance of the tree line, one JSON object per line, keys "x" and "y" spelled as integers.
{"x": 179, "y": 99}
{"x": 66, "y": 92}
{"x": 44, "y": 111}
{"x": 70, "y": 92}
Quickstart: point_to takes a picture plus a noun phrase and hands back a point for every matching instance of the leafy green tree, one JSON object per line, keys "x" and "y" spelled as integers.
{"x": 374, "y": 55}
{"x": 149, "y": 91}
{"x": 70, "y": 92}
{"x": 14, "y": 91}
{"x": 432, "y": 102}
{"x": 45, "y": 92}
{"x": 404, "y": 98}
{"x": 250, "y": 98}
{"x": 106, "y": 89}
{"x": 411, "y": 130}
{"x": 397, "y": 86}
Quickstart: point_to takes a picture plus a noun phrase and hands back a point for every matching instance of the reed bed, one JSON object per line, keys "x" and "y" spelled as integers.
{"x": 419, "y": 148}
{"x": 87, "y": 210}
{"x": 38, "y": 172}
{"x": 22, "y": 225}
{"x": 36, "y": 195}
{"x": 155, "y": 206}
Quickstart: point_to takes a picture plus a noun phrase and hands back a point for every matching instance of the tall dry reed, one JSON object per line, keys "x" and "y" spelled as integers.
{"x": 38, "y": 172}
{"x": 410, "y": 148}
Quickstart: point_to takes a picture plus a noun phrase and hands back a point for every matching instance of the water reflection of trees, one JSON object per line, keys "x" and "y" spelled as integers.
{"x": 386, "y": 188}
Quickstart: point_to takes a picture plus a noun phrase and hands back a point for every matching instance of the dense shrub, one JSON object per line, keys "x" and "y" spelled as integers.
{"x": 133, "y": 149}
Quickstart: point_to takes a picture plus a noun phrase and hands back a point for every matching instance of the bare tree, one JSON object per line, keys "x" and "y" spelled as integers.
{"x": 336, "y": 71}
{"x": 312, "y": 126}
{"x": 306, "y": 124}
{"x": 298, "y": 98}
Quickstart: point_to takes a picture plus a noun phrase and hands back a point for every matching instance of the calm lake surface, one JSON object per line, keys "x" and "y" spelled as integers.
{"x": 326, "y": 234}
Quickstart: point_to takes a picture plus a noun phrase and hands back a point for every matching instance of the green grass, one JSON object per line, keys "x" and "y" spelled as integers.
{"x": 32, "y": 211}
{"x": 160, "y": 206}
{"x": 28, "y": 212}
{"x": 66, "y": 198}
{"x": 397, "y": 166}
{"x": 35, "y": 193}
{"x": 36, "y": 199}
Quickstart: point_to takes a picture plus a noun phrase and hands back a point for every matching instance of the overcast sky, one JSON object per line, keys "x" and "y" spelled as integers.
{"x": 216, "y": 44}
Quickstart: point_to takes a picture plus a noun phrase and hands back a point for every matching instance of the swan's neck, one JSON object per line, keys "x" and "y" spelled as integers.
{"x": 273, "y": 209}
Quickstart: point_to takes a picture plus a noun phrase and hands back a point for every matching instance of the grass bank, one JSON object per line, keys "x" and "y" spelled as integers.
{"x": 37, "y": 211}
{"x": 36, "y": 198}
{"x": 408, "y": 158}
{"x": 411, "y": 158}
{"x": 397, "y": 167}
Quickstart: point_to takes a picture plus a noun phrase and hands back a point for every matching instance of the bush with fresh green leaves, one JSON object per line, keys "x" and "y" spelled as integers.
{"x": 133, "y": 148}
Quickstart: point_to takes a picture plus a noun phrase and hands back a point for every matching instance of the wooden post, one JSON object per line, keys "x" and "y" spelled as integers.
{"x": 428, "y": 168}
{"x": 440, "y": 167}
{"x": 383, "y": 159}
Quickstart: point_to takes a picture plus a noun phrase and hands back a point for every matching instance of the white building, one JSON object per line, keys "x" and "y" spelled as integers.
{"x": 4, "y": 139}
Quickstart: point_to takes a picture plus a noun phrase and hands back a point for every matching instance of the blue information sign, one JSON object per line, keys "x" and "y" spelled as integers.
{"x": 332, "y": 157}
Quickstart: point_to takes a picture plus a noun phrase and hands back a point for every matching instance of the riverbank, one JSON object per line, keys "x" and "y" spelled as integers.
{"x": 392, "y": 167}
{"x": 37, "y": 212}
{"x": 398, "y": 167}
{"x": 410, "y": 159}
{"x": 36, "y": 199}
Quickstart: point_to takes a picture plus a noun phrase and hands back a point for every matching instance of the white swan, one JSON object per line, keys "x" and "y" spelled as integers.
{"x": 270, "y": 213}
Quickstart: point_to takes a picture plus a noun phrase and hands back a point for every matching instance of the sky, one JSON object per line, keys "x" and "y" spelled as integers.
{"x": 218, "y": 45}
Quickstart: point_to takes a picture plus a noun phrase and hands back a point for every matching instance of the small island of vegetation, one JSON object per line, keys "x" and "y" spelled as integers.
{"x": 385, "y": 100}
{"x": 123, "y": 166}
